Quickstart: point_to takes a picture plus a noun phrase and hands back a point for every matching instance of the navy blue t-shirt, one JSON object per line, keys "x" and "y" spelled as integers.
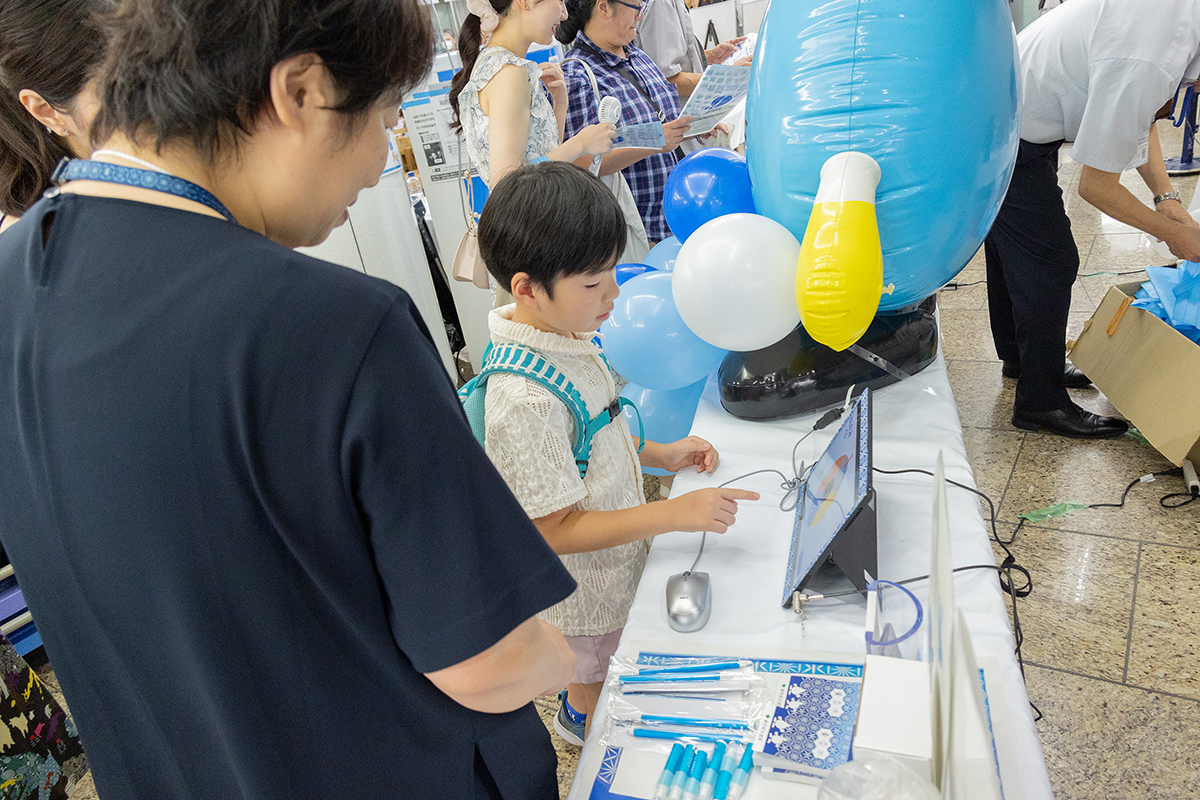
{"x": 247, "y": 513}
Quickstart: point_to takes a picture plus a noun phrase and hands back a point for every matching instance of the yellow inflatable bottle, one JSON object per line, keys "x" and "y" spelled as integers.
{"x": 839, "y": 278}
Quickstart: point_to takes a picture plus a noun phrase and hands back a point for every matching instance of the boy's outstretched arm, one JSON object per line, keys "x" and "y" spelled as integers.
{"x": 676, "y": 455}
{"x": 573, "y": 531}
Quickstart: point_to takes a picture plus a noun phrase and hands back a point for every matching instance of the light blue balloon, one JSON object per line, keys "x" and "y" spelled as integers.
{"x": 667, "y": 414}
{"x": 648, "y": 343}
{"x": 662, "y": 255}
{"x": 929, "y": 90}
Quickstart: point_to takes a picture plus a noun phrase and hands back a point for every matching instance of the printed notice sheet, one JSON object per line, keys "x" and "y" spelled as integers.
{"x": 721, "y": 86}
{"x": 647, "y": 134}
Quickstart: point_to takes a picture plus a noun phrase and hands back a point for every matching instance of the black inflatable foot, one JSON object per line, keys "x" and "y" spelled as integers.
{"x": 797, "y": 375}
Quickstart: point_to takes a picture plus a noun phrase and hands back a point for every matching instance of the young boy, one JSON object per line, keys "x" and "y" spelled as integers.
{"x": 551, "y": 234}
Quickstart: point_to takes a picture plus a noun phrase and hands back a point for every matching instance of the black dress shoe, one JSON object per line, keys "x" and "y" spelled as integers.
{"x": 1072, "y": 421}
{"x": 1072, "y": 378}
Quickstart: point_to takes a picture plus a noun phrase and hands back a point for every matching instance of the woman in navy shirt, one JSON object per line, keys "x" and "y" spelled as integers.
{"x": 266, "y": 555}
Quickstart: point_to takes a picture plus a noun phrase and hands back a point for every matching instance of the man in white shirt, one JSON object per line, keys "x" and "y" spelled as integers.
{"x": 1097, "y": 73}
{"x": 665, "y": 33}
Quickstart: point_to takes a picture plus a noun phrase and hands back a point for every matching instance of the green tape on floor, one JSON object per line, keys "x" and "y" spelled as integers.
{"x": 1049, "y": 512}
{"x": 1134, "y": 433}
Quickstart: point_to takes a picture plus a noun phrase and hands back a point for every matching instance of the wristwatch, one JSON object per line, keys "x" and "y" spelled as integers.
{"x": 1158, "y": 198}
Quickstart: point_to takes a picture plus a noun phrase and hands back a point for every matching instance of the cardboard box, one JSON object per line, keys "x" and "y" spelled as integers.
{"x": 1149, "y": 371}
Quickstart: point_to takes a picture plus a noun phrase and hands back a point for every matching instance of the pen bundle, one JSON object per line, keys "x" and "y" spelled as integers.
{"x": 693, "y": 773}
{"x": 698, "y": 701}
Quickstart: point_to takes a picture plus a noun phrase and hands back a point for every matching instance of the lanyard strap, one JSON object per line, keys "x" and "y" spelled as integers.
{"x": 79, "y": 170}
{"x": 628, "y": 75}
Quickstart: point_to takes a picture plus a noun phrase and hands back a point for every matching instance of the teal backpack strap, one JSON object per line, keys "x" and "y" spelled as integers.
{"x": 620, "y": 403}
{"x": 514, "y": 359}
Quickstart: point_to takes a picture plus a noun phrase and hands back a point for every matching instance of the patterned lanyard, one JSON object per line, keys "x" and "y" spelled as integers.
{"x": 80, "y": 170}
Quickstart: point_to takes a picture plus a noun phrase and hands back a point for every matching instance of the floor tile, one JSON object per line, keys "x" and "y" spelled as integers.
{"x": 967, "y": 333}
{"x": 1077, "y": 616}
{"x": 971, "y": 297}
{"x": 1165, "y": 643}
{"x": 984, "y": 397}
{"x": 992, "y": 454}
{"x": 1111, "y": 742}
{"x": 1053, "y": 469}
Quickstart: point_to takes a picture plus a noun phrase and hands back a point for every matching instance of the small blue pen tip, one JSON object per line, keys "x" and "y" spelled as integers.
{"x": 698, "y": 764}
{"x": 747, "y": 762}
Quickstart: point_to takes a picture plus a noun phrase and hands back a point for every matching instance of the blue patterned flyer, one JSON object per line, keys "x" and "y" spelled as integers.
{"x": 812, "y": 726}
{"x": 720, "y": 88}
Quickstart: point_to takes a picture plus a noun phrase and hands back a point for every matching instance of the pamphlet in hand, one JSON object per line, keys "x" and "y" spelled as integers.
{"x": 720, "y": 88}
{"x": 647, "y": 134}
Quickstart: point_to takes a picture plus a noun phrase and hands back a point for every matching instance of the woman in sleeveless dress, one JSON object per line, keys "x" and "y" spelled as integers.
{"x": 512, "y": 110}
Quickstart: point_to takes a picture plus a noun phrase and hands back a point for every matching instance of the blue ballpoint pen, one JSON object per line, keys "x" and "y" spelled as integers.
{"x": 742, "y": 774}
{"x": 655, "y": 733}
{"x": 687, "y": 677}
{"x": 685, "y": 766}
{"x": 668, "y": 773}
{"x": 711, "y": 666}
{"x": 695, "y": 722}
{"x": 730, "y": 761}
{"x": 722, "y": 790}
{"x": 708, "y": 783}
{"x": 693, "y": 782}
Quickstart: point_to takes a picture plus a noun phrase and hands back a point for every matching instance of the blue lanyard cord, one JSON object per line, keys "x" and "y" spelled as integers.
{"x": 80, "y": 170}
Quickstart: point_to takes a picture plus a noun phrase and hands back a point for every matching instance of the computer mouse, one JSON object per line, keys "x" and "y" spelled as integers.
{"x": 689, "y": 601}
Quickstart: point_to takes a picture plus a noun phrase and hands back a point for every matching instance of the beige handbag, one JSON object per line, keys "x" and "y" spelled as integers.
{"x": 468, "y": 263}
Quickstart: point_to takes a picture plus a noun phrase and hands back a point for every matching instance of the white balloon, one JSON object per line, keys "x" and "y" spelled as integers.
{"x": 735, "y": 282}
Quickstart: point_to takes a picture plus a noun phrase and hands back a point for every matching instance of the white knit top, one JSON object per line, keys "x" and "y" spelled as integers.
{"x": 528, "y": 437}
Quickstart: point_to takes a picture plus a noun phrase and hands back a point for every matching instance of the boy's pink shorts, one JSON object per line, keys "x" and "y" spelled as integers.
{"x": 593, "y": 653}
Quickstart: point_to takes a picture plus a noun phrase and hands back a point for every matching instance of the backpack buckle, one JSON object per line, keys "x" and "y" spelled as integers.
{"x": 614, "y": 409}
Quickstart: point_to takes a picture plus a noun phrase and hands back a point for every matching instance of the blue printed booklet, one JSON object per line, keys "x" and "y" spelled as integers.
{"x": 811, "y": 727}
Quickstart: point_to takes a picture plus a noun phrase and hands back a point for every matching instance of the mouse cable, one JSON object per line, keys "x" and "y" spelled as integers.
{"x": 789, "y": 485}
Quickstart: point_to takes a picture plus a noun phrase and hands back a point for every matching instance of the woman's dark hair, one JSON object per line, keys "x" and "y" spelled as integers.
{"x": 550, "y": 220}
{"x": 470, "y": 40}
{"x": 198, "y": 71}
{"x": 579, "y": 13}
{"x": 51, "y": 47}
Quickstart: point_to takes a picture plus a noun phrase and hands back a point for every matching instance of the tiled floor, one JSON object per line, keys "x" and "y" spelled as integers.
{"x": 1112, "y": 628}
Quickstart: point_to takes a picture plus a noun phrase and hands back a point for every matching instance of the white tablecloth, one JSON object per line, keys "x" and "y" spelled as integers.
{"x": 913, "y": 420}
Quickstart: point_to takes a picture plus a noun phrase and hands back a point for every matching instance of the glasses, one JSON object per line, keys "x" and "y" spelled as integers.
{"x": 641, "y": 9}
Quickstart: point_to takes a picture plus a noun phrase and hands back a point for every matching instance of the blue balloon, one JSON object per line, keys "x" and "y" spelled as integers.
{"x": 929, "y": 90}
{"x": 648, "y": 343}
{"x": 707, "y": 184}
{"x": 667, "y": 414}
{"x": 627, "y": 271}
{"x": 662, "y": 255}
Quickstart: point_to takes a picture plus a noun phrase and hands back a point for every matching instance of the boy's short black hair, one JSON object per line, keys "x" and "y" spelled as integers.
{"x": 198, "y": 71}
{"x": 550, "y": 220}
